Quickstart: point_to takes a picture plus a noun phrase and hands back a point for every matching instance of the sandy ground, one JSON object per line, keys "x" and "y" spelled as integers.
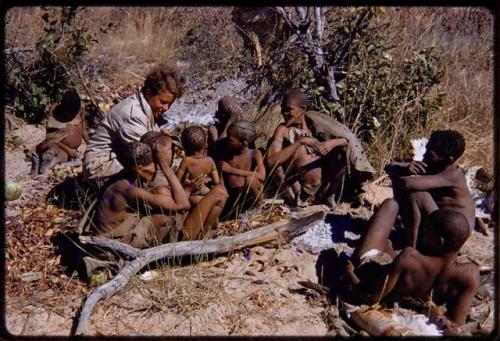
{"x": 255, "y": 292}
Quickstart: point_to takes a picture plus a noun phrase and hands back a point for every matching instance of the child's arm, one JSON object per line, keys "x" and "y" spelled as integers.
{"x": 214, "y": 174}
{"x": 72, "y": 154}
{"x": 397, "y": 169}
{"x": 469, "y": 280}
{"x": 181, "y": 171}
{"x": 260, "y": 171}
{"x": 213, "y": 135}
{"x": 227, "y": 168}
{"x": 180, "y": 197}
{"x": 424, "y": 182}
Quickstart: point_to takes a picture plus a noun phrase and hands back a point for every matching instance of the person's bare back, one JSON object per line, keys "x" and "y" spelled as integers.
{"x": 196, "y": 165}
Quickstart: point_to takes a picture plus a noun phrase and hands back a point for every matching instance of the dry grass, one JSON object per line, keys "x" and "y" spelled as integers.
{"x": 465, "y": 37}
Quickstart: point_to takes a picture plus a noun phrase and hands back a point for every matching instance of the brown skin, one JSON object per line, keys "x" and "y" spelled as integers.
{"x": 196, "y": 166}
{"x": 290, "y": 158}
{"x": 64, "y": 150}
{"x": 244, "y": 169}
{"x": 219, "y": 130}
{"x": 204, "y": 213}
{"x": 420, "y": 187}
{"x": 413, "y": 274}
{"x": 124, "y": 195}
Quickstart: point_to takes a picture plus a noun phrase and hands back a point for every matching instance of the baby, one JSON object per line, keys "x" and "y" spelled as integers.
{"x": 197, "y": 165}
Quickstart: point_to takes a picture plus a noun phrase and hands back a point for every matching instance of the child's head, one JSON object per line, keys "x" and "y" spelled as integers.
{"x": 444, "y": 147}
{"x": 70, "y": 104}
{"x": 227, "y": 107}
{"x": 241, "y": 134}
{"x": 137, "y": 158}
{"x": 152, "y": 137}
{"x": 447, "y": 231}
{"x": 193, "y": 139}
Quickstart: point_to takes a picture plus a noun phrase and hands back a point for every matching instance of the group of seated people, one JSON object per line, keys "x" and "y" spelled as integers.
{"x": 143, "y": 202}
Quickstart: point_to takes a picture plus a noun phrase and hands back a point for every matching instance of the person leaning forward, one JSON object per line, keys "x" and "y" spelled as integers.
{"x": 128, "y": 121}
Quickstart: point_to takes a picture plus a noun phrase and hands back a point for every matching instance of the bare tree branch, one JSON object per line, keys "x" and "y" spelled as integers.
{"x": 281, "y": 231}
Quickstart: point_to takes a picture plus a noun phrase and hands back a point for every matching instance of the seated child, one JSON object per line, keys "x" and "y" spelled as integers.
{"x": 64, "y": 131}
{"x": 377, "y": 271}
{"x": 196, "y": 164}
{"x": 118, "y": 206}
{"x": 228, "y": 111}
{"x": 421, "y": 187}
{"x": 242, "y": 168}
{"x": 195, "y": 222}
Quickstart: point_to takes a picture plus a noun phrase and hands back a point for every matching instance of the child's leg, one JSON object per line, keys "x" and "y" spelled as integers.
{"x": 416, "y": 204}
{"x": 216, "y": 211}
{"x": 51, "y": 157}
{"x": 379, "y": 229}
{"x": 197, "y": 218}
{"x": 255, "y": 188}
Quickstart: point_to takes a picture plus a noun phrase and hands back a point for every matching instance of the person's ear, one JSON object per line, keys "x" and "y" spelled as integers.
{"x": 244, "y": 144}
{"x": 140, "y": 170}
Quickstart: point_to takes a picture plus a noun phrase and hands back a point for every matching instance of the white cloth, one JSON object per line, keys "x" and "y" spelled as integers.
{"x": 126, "y": 122}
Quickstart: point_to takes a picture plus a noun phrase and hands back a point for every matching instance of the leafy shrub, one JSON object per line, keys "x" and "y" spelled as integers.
{"x": 33, "y": 84}
{"x": 384, "y": 101}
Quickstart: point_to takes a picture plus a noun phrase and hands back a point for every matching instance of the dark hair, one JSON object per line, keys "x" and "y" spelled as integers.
{"x": 452, "y": 226}
{"x": 163, "y": 77}
{"x": 447, "y": 143}
{"x": 152, "y": 137}
{"x": 70, "y": 104}
{"x": 135, "y": 154}
{"x": 244, "y": 131}
{"x": 226, "y": 107}
{"x": 295, "y": 97}
{"x": 193, "y": 139}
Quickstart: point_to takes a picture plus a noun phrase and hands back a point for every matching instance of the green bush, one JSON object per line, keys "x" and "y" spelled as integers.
{"x": 34, "y": 83}
{"x": 385, "y": 101}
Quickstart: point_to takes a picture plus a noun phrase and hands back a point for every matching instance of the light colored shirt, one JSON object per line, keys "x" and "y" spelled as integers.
{"x": 126, "y": 122}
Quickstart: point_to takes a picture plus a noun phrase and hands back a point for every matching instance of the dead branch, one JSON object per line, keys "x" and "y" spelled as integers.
{"x": 88, "y": 91}
{"x": 282, "y": 230}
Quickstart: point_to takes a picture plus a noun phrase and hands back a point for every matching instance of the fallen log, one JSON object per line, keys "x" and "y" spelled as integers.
{"x": 283, "y": 231}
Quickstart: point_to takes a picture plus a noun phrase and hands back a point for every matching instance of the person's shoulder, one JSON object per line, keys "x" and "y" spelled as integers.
{"x": 407, "y": 257}
{"x": 455, "y": 174}
{"x": 126, "y": 108}
{"x": 281, "y": 130}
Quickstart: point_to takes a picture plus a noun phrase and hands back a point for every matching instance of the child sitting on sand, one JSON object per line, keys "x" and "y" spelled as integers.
{"x": 197, "y": 165}
{"x": 65, "y": 129}
{"x": 421, "y": 187}
{"x": 242, "y": 168}
{"x": 118, "y": 207}
{"x": 377, "y": 271}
